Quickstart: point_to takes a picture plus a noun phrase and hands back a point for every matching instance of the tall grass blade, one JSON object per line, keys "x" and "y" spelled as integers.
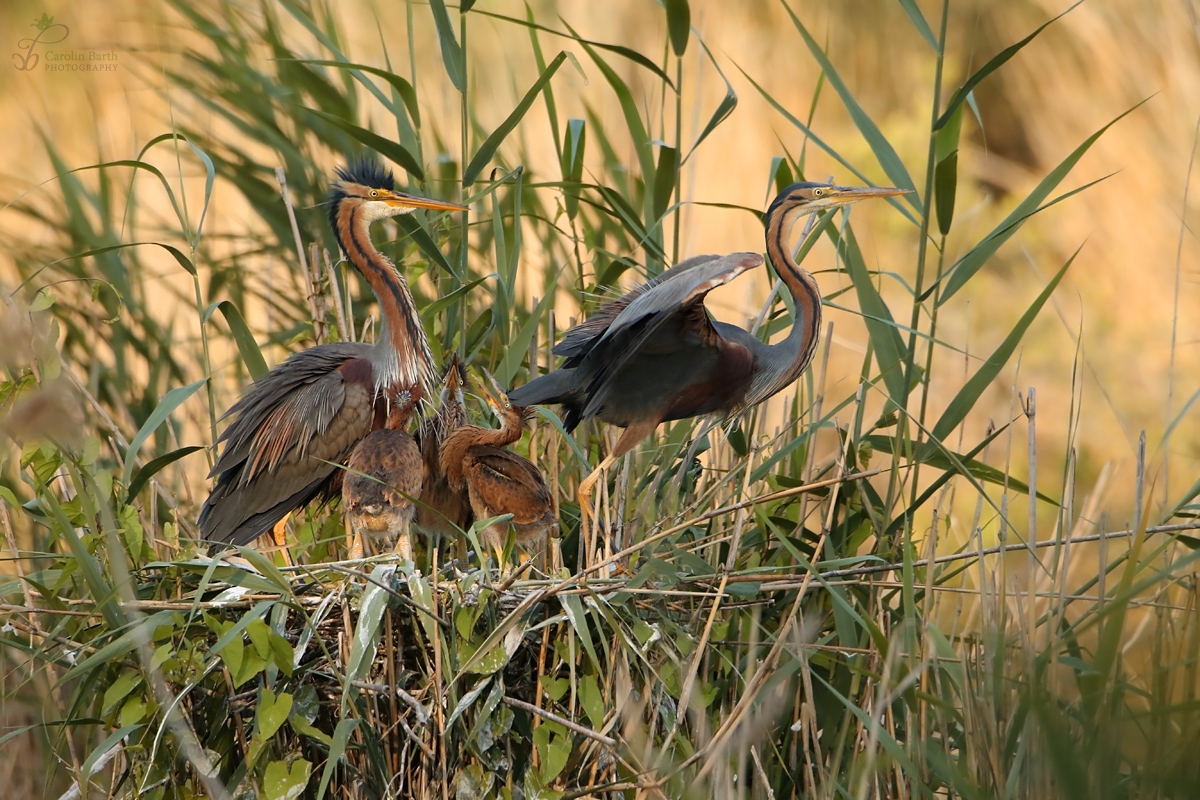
{"x": 247, "y": 345}
{"x": 620, "y": 50}
{"x": 918, "y": 20}
{"x": 403, "y": 88}
{"x": 679, "y": 22}
{"x": 881, "y": 327}
{"x": 968, "y": 265}
{"x": 154, "y": 466}
{"x": 969, "y": 395}
{"x": 169, "y": 403}
{"x": 452, "y": 53}
{"x": 997, "y": 61}
{"x": 485, "y": 152}
{"x": 386, "y": 147}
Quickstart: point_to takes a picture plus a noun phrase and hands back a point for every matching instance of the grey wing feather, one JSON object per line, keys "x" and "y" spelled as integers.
{"x": 677, "y": 287}
{"x": 312, "y": 380}
{"x": 579, "y": 339}
{"x": 290, "y": 424}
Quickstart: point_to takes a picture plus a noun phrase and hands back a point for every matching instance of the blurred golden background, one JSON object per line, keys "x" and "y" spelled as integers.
{"x": 1116, "y": 351}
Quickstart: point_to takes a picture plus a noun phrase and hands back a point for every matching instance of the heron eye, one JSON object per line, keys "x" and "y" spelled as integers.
{"x": 374, "y": 193}
{"x": 818, "y": 192}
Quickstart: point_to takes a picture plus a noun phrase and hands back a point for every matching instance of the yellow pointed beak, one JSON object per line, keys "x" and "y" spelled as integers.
{"x": 402, "y": 200}
{"x": 493, "y": 393}
{"x": 833, "y": 196}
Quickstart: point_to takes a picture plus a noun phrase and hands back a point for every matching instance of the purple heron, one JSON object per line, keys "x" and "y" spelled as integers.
{"x": 497, "y": 481}
{"x": 383, "y": 478}
{"x": 296, "y": 423}
{"x": 655, "y": 355}
{"x": 444, "y": 511}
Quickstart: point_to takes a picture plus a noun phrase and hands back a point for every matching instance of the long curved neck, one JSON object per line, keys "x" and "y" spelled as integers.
{"x": 784, "y": 362}
{"x": 455, "y": 446}
{"x": 402, "y": 356}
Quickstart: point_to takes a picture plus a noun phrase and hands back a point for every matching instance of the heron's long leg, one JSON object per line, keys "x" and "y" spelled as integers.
{"x": 633, "y": 434}
{"x": 279, "y": 534}
{"x": 586, "y": 512}
{"x": 354, "y": 542}
{"x": 404, "y": 544}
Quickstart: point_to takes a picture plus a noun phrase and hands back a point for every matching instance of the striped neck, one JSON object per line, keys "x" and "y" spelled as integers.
{"x": 402, "y": 356}
{"x": 795, "y": 352}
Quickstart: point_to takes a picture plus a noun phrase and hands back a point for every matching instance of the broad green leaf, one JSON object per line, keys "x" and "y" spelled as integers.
{"x": 572, "y": 163}
{"x": 880, "y": 146}
{"x": 991, "y": 66}
{"x": 166, "y": 406}
{"x": 452, "y": 54}
{"x": 945, "y": 185}
{"x": 111, "y": 741}
{"x": 468, "y": 700}
{"x": 152, "y": 468}
{"x": 969, "y": 264}
{"x": 120, "y": 689}
{"x": 281, "y": 782}
{"x": 272, "y": 712}
{"x": 554, "y": 748}
{"x": 483, "y": 718}
{"x": 665, "y": 177}
{"x": 252, "y": 356}
{"x": 519, "y": 345}
{"x": 578, "y": 617}
{"x": 945, "y": 176}
{"x": 592, "y": 700}
{"x": 679, "y": 22}
{"x": 485, "y": 152}
{"x": 966, "y": 398}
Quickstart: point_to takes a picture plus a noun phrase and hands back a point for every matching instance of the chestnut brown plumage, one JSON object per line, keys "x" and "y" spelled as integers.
{"x": 497, "y": 481}
{"x": 383, "y": 479}
{"x": 654, "y": 355}
{"x": 296, "y": 423}
{"x": 443, "y": 511}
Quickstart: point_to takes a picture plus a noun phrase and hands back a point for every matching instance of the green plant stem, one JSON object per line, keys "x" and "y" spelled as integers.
{"x": 922, "y": 249}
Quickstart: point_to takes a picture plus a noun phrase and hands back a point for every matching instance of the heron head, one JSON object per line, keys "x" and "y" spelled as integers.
{"x": 808, "y": 198}
{"x": 453, "y": 381}
{"x": 497, "y": 399}
{"x": 366, "y": 184}
{"x": 401, "y": 403}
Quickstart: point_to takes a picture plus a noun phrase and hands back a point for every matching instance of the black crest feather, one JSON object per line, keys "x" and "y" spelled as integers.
{"x": 365, "y": 170}
{"x": 368, "y": 171}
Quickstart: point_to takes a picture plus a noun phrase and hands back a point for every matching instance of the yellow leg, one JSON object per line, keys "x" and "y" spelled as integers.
{"x": 279, "y": 534}
{"x": 354, "y": 542}
{"x": 404, "y": 545}
{"x": 586, "y": 512}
